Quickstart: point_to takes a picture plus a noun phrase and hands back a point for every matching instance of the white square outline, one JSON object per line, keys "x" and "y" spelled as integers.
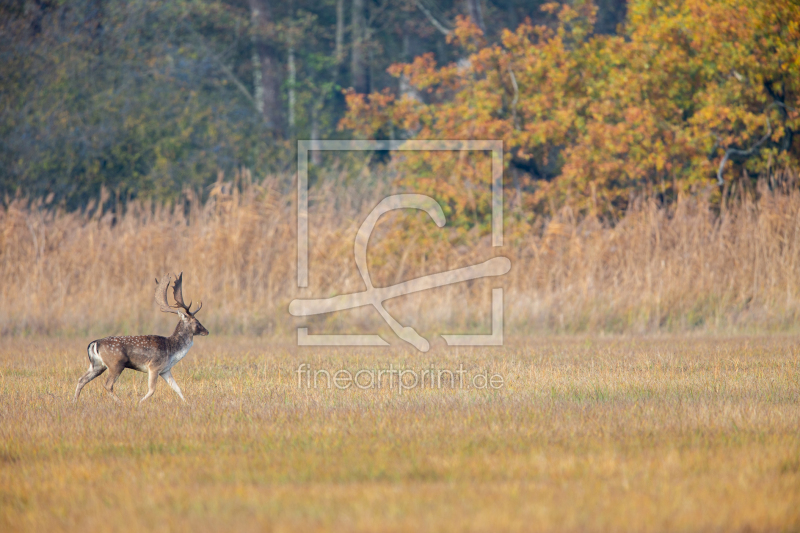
{"x": 304, "y": 146}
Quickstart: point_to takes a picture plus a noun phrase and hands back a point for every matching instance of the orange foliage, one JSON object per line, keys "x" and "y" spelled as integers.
{"x": 591, "y": 119}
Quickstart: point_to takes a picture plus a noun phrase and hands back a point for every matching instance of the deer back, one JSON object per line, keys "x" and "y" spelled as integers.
{"x": 140, "y": 352}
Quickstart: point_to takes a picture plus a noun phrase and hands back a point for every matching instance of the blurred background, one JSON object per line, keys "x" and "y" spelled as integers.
{"x": 147, "y": 97}
{"x": 650, "y": 159}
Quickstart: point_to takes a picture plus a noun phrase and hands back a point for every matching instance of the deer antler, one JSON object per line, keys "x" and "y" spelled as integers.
{"x": 161, "y": 295}
{"x": 177, "y": 293}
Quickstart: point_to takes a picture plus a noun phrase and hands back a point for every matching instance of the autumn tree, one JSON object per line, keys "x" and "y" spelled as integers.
{"x": 693, "y": 94}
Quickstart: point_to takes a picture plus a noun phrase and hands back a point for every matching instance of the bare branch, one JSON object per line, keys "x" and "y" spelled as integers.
{"x": 225, "y": 68}
{"x": 746, "y": 153}
{"x": 516, "y": 97}
{"x": 433, "y": 20}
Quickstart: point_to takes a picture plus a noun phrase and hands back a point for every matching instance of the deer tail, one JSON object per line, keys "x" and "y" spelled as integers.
{"x": 94, "y": 356}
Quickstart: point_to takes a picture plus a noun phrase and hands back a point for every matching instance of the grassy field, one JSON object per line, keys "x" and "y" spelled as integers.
{"x": 586, "y": 434}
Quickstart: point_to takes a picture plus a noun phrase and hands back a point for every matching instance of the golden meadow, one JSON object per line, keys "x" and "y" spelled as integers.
{"x": 644, "y": 429}
{"x": 639, "y": 434}
{"x": 694, "y": 266}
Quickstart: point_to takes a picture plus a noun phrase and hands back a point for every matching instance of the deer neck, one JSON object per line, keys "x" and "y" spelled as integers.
{"x": 182, "y": 336}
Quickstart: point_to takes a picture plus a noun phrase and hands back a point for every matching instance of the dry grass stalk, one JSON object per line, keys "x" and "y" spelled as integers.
{"x": 675, "y": 269}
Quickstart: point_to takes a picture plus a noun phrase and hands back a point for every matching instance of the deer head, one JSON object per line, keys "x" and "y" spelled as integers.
{"x": 190, "y": 323}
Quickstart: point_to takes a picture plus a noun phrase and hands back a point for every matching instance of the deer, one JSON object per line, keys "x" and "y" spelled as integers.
{"x": 153, "y": 354}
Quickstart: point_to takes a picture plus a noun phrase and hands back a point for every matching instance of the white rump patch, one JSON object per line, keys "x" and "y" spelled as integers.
{"x": 94, "y": 356}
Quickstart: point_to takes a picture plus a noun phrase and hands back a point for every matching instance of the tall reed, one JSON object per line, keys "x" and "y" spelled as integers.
{"x": 679, "y": 268}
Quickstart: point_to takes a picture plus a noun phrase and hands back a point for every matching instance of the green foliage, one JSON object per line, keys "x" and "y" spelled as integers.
{"x": 122, "y": 95}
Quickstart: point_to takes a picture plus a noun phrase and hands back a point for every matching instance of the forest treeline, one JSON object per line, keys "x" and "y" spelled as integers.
{"x": 596, "y": 102}
{"x": 147, "y": 98}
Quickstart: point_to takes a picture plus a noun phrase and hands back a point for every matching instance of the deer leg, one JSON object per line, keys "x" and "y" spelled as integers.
{"x": 152, "y": 380}
{"x": 115, "y": 371}
{"x": 86, "y": 378}
{"x": 172, "y": 383}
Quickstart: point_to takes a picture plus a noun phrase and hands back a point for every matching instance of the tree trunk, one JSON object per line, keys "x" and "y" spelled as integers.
{"x": 258, "y": 86}
{"x": 406, "y": 89}
{"x": 316, "y": 153}
{"x": 359, "y": 68}
{"x": 266, "y": 78}
{"x": 475, "y": 14}
{"x": 292, "y": 83}
{"x": 339, "y": 31}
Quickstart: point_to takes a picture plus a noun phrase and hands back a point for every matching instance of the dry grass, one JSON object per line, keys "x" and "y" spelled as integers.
{"x": 678, "y": 269}
{"x": 690, "y": 433}
{"x": 589, "y": 434}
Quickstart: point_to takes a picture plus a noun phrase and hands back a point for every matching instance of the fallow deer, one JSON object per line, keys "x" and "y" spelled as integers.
{"x": 147, "y": 353}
